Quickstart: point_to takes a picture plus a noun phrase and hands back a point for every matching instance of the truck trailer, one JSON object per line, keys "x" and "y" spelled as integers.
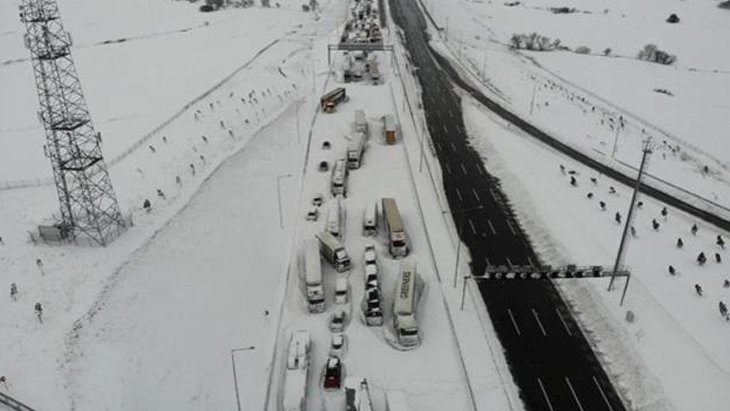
{"x": 355, "y": 150}
{"x": 333, "y": 251}
{"x": 313, "y": 276}
{"x": 338, "y": 181}
{"x": 297, "y": 369}
{"x": 329, "y": 101}
{"x": 404, "y": 306}
{"x": 390, "y": 129}
{"x": 361, "y": 122}
{"x": 394, "y": 229}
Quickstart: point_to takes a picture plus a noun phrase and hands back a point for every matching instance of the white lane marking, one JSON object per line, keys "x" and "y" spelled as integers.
{"x": 479, "y": 170}
{"x": 491, "y": 227}
{"x": 509, "y": 262}
{"x": 473, "y": 230}
{"x": 446, "y": 130}
{"x": 459, "y": 129}
{"x": 574, "y": 395}
{"x": 608, "y": 404}
{"x": 494, "y": 196}
{"x": 511, "y": 228}
{"x": 544, "y": 394}
{"x": 532, "y": 263}
{"x": 439, "y": 147}
{"x": 458, "y": 193}
{"x": 453, "y": 147}
{"x": 562, "y": 320}
{"x": 448, "y": 169}
{"x": 537, "y": 318}
{"x": 473, "y": 190}
{"x": 463, "y": 169}
{"x": 512, "y": 317}
{"x": 451, "y": 114}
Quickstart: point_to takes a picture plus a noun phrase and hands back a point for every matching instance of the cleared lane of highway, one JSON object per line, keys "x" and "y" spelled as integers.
{"x": 554, "y": 368}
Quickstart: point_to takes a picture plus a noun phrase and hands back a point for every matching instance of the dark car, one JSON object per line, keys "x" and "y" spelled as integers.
{"x": 323, "y": 166}
{"x": 333, "y": 373}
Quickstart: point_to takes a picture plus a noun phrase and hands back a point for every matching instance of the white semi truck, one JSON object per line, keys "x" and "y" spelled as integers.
{"x": 404, "y": 306}
{"x": 355, "y": 150}
{"x": 297, "y": 369}
{"x": 394, "y": 229}
{"x": 361, "y": 122}
{"x": 313, "y": 276}
{"x": 333, "y": 251}
{"x": 338, "y": 182}
{"x": 335, "y": 216}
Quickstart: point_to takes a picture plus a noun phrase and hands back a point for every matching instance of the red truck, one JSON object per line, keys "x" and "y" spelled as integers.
{"x": 332, "y": 99}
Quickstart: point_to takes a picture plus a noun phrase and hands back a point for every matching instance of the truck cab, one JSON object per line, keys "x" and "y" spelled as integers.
{"x": 404, "y": 306}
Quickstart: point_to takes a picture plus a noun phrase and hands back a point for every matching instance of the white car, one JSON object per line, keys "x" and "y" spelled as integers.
{"x": 312, "y": 213}
{"x": 337, "y": 322}
{"x": 337, "y": 344}
{"x": 370, "y": 256}
{"x": 341, "y": 290}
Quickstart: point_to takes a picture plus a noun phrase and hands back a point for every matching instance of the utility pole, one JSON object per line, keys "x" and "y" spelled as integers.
{"x": 235, "y": 375}
{"x": 532, "y": 101}
{"x": 88, "y": 204}
{"x": 615, "y": 142}
{"x": 624, "y": 237}
{"x": 484, "y": 66}
{"x": 458, "y": 235}
{"x": 299, "y": 139}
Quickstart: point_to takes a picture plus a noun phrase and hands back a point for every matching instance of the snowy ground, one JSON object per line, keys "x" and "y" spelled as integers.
{"x": 220, "y": 115}
{"x": 674, "y": 354}
{"x": 567, "y": 86}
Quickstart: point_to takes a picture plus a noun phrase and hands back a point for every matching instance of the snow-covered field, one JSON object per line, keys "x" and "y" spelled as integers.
{"x": 212, "y": 116}
{"x": 582, "y": 99}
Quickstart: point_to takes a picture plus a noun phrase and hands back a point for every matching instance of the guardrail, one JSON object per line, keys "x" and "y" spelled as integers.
{"x": 13, "y": 403}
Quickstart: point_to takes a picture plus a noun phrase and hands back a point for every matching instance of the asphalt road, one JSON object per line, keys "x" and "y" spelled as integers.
{"x": 550, "y": 359}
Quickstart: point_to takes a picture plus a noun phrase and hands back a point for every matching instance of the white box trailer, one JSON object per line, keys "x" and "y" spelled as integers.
{"x": 297, "y": 369}
{"x": 404, "y": 306}
{"x": 361, "y": 122}
{"x": 355, "y": 150}
{"x": 335, "y": 216}
{"x": 370, "y": 219}
{"x": 338, "y": 182}
{"x": 357, "y": 395}
{"x": 333, "y": 251}
{"x": 394, "y": 229}
{"x": 313, "y": 276}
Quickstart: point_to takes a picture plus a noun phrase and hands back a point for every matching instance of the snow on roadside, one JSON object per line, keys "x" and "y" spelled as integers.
{"x": 674, "y": 354}
{"x": 74, "y": 277}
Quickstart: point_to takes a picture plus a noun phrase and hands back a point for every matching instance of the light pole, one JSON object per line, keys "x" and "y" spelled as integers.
{"x": 624, "y": 236}
{"x": 458, "y": 235}
{"x": 235, "y": 375}
{"x": 278, "y": 192}
{"x": 463, "y": 291}
{"x": 532, "y": 101}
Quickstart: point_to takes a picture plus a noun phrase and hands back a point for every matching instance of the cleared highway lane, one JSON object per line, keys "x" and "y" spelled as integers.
{"x": 548, "y": 355}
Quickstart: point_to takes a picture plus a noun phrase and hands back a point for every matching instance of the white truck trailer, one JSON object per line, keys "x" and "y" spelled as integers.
{"x": 297, "y": 369}
{"x": 370, "y": 219}
{"x": 394, "y": 229}
{"x": 335, "y": 216}
{"x": 404, "y": 306}
{"x": 338, "y": 182}
{"x": 361, "y": 122}
{"x": 355, "y": 150}
{"x": 313, "y": 276}
{"x": 333, "y": 251}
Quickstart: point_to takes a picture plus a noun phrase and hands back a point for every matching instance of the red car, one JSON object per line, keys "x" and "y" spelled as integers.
{"x": 333, "y": 373}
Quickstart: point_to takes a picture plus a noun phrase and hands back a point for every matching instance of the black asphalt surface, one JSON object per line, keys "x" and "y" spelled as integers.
{"x": 550, "y": 359}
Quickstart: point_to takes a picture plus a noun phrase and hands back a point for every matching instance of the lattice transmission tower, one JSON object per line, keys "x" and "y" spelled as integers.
{"x": 88, "y": 205}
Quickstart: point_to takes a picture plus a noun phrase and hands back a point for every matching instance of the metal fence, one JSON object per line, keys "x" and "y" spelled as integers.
{"x": 13, "y": 403}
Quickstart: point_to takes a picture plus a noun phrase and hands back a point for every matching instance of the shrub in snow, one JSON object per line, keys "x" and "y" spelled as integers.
{"x": 724, "y": 5}
{"x": 607, "y": 52}
{"x": 562, "y": 10}
{"x": 663, "y": 91}
{"x": 265, "y": 3}
{"x": 673, "y": 18}
{"x": 533, "y": 41}
{"x": 583, "y": 50}
{"x": 651, "y": 53}
{"x": 512, "y": 4}
{"x": 305, "y": 7}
